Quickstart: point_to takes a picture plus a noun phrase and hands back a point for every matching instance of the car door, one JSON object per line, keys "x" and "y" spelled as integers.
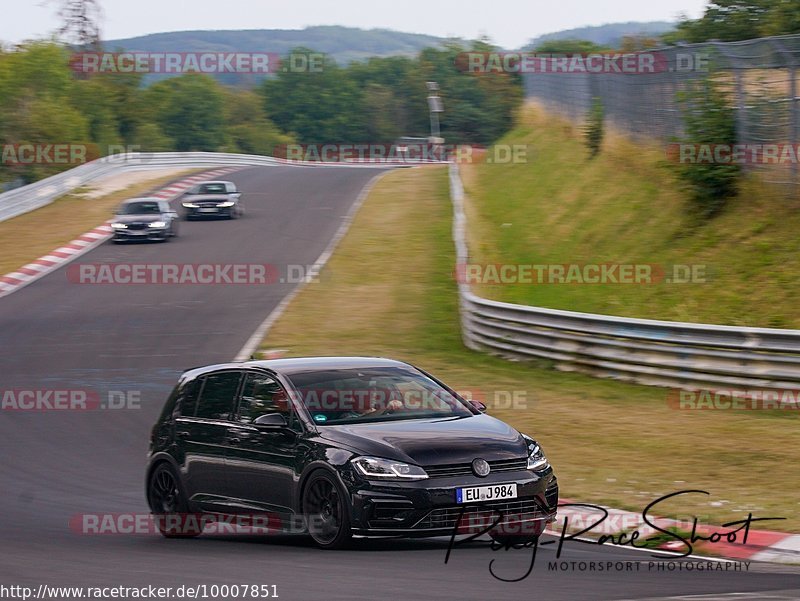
{"x": 201, "y": 435}
{"x": 234, "y": 195}
{"x": 167, "y": 213}
{"x": 261, "y": 463}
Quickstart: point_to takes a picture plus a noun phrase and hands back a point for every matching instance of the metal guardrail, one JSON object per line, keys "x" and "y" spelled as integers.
{"x": 33, "y": 196}
{"x": 660, "y": 353}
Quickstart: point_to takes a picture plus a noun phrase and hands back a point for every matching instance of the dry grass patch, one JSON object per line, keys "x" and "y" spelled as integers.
{"x": 389, "y": 291}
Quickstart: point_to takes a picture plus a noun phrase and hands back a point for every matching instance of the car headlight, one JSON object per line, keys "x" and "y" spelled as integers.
{"x": 189, "y": 205}
{"x": 375, "y": 468}
{"x": 119, "y": 226}
{"x": 158, "y": 224}
{"x": 536, "y": 459}
{"x": 227, "y": 203}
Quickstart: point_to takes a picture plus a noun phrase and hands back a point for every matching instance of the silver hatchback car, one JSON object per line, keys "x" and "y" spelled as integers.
{"x": 144, "y": 219}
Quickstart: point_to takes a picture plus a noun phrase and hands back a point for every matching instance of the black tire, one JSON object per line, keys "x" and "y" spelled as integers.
{"x": 174, "y": 229}
{"x": 168, "y": 505}
{"x": 327, "y": 511}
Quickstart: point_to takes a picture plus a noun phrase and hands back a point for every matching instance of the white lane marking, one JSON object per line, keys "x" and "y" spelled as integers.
{"x": 255, "y": 339}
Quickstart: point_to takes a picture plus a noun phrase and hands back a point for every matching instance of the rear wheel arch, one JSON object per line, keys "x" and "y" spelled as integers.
{"x": 158, "y": 460}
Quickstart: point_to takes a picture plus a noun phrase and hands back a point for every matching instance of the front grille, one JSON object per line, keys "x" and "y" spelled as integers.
{"x": 465, "y": 469}
{"x": 551, "y": 495}
{"x": 480, "y": 517}
{"x": 137, "y": 226}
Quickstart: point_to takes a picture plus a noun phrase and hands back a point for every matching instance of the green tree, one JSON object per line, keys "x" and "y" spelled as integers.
{"x": 189, "y": 110}
{"x": 734, "y": 20}
{"x": 319, "y": 106}
{"x": 148, "y": 137}
{"x": 247, "y": 128}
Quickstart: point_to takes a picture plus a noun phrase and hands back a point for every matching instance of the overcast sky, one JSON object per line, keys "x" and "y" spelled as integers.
{"x": 508, "y": 23}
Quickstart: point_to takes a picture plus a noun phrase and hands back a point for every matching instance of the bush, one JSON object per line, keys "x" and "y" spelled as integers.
{"x": 709, "y": 120}
{"x": 594, "y": 127}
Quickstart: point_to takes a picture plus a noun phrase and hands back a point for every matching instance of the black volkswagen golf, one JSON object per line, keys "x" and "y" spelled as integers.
{"x": 347, "y": 447}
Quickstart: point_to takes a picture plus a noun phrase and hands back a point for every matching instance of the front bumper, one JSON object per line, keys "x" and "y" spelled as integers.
{"x": 198, "y": 212}
{"x": 145, "y": 234}
{"x": 429, "y": 508}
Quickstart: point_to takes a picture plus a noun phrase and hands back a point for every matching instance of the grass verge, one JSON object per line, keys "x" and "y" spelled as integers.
{"x": 627, "y": 206}
{"x": 389, "y": 290}
{"x": 26, "y": 237}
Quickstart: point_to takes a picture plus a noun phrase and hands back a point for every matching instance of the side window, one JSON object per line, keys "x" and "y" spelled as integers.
{"x": 262, "y": 395}
{"x": 231, "y": 188}
{"x": 218, "y": 395}
{"x": 187, "y": 401}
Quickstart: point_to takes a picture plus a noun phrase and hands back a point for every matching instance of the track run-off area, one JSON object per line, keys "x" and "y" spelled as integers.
{"x": 132, "y": 341}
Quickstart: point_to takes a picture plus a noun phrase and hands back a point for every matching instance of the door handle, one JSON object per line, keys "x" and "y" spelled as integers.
{"x": 234, "y": 440}
{"x": 182, "y": 434}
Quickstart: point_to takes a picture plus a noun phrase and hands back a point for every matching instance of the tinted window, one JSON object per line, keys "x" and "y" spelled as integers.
{"x": 231, "y": 188}
{"x": 188, "y": 397}
{"x": 218, "y": 395}
{"x": 141, "y": 208}
{"x": 262, "y": 395}
{"x": 211, "y": 189}
{"x": 374, "y": 394}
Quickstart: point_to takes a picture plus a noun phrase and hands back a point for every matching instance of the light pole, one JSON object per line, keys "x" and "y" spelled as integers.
{"x": 435, "y": 106}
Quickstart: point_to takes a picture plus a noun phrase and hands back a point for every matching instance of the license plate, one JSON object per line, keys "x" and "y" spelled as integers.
{"x": 212, "y": 210}
{"x": 495, "y": 492}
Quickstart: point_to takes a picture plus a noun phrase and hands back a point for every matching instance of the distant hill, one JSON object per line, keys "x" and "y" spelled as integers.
{"x": 609, "y": 35}
{"x": 344, "y": 44}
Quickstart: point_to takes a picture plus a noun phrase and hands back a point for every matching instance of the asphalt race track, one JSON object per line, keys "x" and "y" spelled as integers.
{"x": 56, "y": 465}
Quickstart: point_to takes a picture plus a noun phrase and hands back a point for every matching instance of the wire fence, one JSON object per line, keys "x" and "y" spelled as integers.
{"x": 758, "y": 77}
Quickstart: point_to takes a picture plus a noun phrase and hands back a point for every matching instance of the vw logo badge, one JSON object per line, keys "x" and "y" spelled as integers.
{"x": 481, "y": 468}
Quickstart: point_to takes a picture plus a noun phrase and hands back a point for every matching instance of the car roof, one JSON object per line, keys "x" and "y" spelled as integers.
{"x": 296, "y": 365}
{"x": 213, "y": 182}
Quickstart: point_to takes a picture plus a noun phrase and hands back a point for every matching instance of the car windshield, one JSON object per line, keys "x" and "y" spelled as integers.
{"x": 346, "y": 396}
{"x": 147, "y": 207}
{"x": 210, "y": 189}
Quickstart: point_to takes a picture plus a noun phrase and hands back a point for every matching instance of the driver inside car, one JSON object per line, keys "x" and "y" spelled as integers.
{"x": 381, "y": 401}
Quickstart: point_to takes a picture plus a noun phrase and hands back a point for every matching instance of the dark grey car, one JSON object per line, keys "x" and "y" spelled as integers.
{"x": 144, "y": 219}
{"x": 213, "y": 199}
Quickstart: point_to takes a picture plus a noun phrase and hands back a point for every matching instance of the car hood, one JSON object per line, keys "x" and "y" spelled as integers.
{"x": 432, "y": 442}
{"x": 148, "y": 218}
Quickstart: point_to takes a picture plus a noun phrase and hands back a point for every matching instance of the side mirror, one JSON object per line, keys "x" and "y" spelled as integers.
{"x": 271, "y": 421}
{"x": 478, "y": 405}
{"x": 172, "y": 213}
